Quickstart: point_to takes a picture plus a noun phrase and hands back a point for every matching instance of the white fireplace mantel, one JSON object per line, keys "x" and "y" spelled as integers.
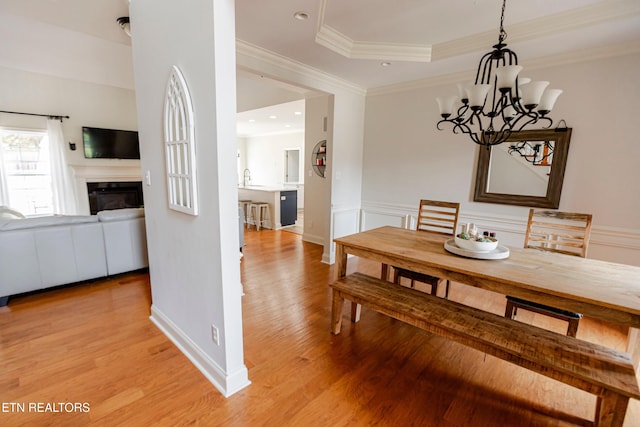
{"x": 102, "y": 173}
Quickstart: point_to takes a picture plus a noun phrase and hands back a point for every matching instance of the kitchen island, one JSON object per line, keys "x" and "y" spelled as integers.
{"x": 282, "y": 203}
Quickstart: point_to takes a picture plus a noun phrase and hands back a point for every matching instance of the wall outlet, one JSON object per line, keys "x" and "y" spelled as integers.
{"x": 215, "y": 335}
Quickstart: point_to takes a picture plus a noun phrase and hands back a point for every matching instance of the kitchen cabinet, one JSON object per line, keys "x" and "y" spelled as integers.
{"x": 288, "y": 207}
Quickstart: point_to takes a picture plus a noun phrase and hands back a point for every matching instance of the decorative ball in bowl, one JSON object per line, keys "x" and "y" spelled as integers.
{"x": 479, "y": 244}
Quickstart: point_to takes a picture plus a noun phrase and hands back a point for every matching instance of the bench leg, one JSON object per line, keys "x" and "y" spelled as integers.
{"x": 355, "y": 312}
{"x": 611, "y": 409}
{"x": 509, "y": 311}
{"x": 336, "y": 312}
{"x": 572, "y": 329}
{"x": 384, "y": 272}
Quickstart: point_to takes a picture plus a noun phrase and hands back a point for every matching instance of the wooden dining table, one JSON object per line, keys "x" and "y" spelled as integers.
{"x": 598, "y": 289}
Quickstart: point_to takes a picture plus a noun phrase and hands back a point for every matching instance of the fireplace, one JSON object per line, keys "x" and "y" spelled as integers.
{"x": 104, "y": 196}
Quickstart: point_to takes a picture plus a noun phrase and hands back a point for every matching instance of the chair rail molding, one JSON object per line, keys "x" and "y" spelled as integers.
{"x": 616, "y": 244}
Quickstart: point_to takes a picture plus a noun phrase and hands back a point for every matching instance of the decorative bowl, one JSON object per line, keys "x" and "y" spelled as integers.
{"x": 474, "y": 245}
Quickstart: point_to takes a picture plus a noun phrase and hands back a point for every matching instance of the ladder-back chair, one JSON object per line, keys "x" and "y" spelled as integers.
{"x": 553, "y": 231}
{"x": 436, "y": 217}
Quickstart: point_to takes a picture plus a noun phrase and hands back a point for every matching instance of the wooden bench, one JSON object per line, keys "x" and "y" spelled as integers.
{"x": 607, "y": 373}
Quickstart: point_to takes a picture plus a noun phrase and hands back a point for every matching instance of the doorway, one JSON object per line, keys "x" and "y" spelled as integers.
{"x": 292, "y": 166}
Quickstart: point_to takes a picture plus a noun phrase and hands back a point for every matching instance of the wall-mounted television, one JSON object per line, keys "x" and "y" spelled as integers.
{"x": 110, "y": 143}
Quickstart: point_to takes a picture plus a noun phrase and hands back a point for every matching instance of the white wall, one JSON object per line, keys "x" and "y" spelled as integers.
{"x": 86, "y": 104}
{"x": 406, "y": 158}
{"x": 317, "y": 188}
{"x": 265, "y": 156}
{"x": 191, "y": 290}
{"x": 345, "y": 167}
{"x": 41, "y": 47}
{"x": 255, "y": 92}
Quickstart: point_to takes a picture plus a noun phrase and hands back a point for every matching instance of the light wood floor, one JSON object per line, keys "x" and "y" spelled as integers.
{"x": 94, "y": 343}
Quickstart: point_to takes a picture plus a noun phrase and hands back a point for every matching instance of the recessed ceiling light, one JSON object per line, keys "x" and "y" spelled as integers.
{"x": 298, "y": 113}
{"x": 273, "y": 117}
{"x": 252, "y": 120}
{"x": 385, "y": 64}
{"x": 287, "y": 126}
{"x": 301, "y": 16}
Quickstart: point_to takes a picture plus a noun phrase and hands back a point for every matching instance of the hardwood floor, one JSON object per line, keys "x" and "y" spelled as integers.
{"x": 94, "y": 343}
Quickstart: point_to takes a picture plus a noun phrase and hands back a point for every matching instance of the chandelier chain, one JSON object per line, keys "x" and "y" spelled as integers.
{"x": 503, "y": 34}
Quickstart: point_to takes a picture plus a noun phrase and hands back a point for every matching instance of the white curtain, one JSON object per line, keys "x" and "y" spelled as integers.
{"x": 64, "y": 188}
{"x": 4, "y": 191}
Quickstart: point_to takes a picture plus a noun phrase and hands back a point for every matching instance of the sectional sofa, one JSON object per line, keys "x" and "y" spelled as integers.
{"x": 42, "y": 252}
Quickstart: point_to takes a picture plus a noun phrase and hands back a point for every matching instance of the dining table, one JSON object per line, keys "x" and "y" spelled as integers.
{"x": 599, "y": 289}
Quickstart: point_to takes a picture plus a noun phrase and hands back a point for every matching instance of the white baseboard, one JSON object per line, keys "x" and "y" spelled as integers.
{"x": 226, "y": 383}
{"x": 313, "y": 238}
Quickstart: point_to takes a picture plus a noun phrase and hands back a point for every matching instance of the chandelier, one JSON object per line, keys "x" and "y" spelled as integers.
{"x": 499, "y": 102}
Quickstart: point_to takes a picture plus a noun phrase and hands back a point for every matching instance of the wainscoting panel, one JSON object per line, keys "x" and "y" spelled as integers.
{"x": 378, "y": 215}
{"x": 345, "y": 221}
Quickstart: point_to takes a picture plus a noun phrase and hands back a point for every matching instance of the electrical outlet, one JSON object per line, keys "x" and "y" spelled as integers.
{"x": 215, "y": 336}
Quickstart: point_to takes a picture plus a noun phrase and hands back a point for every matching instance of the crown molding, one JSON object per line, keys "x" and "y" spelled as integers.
{"x": 603, "y": 52}
{"x": 336, "y": 41}
{"x": 252, "y": 57}
{"x": 535, "y": 28}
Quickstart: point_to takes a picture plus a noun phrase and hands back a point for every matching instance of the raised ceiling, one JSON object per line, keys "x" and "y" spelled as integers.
{"x": 348, "y": 40}
{"x": 420, "y": 38}
{"x": 351, "y": 39}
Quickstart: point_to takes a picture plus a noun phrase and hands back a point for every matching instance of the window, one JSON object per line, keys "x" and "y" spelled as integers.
{"x": 26, "y": 171}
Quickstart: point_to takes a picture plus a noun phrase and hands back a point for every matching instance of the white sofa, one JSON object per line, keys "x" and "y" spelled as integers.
{"x": 42, "y": 252}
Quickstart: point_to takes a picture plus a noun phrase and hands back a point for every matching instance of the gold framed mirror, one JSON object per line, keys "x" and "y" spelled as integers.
{"x": 525, "y": 170}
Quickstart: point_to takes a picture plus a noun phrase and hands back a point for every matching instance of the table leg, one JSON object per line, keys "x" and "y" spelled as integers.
{"x": 341, "y": 271}
{"x": 341, "y": 262}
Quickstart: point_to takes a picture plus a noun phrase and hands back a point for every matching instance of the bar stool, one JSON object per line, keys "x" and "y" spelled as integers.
{"x": 260, "y": 214}
{"x": 246, "y": 208}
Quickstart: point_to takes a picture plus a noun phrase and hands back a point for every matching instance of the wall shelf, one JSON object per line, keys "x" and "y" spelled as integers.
{"x": 319, "y": 158}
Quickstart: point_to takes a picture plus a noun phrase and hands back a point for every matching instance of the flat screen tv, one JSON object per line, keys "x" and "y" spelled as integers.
{"x": 110, "y": 143}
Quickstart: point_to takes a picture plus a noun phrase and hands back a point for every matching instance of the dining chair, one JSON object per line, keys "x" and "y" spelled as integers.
{"x": 553, "y": 231}
{"x": 436, "y": 217}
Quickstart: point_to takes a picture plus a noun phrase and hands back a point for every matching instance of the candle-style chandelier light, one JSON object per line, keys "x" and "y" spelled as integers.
{"x": 499, "y": 102}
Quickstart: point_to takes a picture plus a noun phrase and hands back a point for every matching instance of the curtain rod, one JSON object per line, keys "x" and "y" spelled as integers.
{"x": 51, "y": 116}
